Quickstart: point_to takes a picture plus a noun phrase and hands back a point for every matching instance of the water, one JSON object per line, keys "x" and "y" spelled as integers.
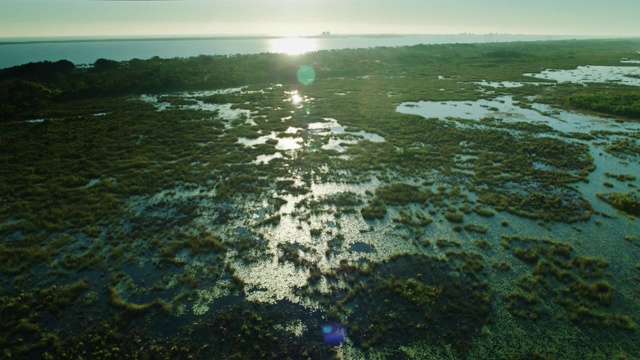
{"x": 593, "y": 74}
{"x": 20, "y": 51}
{"x": 503, "y": 107}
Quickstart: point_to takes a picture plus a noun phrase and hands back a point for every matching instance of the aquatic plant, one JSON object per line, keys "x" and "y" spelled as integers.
{"x": 482, "y": 243}
{"x": 172, "y": 201}
{"x": 271, "y": 220}
{"x": 376, "y": 209}
{"x": 400, "y": 194}
{"x": 416, "y": 218}
{"x": 436, "y": 306}
{"x": 447, "y": 243}
{"x": 116, "y": 300}
{"x": 589, "y": 267}
{"x": 624, "y": 147}
{"x": 553, "y": 274}
{"x": 524, "y": 305}
{"x": 455, "y": 217}
{"x": 622, "y": 104}
{"x": 483, "y": 211}
{"x": 624, "y": 202}
{"x": 621, "y": 177}
{"x": 60, "y": 297}
{"x": 476, "y": 228}
{"x": 502, "y": 265}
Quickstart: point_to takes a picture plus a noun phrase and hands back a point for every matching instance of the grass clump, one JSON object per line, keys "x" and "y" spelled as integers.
{"x": 401, "y": 194}
{"x": 621, "y": 177}
{"x": 627, "y": 203}
{"x": 454, "y": 217}
{"x": 442, "y": 243}
{"x": 484, "y": 211}
{"x": 476, "y": 228}
{"x": 501, "y": 265}
{"x": 416, "y": 218}
{"x": 131, "y": 308}
{"x": 376, "y": 209}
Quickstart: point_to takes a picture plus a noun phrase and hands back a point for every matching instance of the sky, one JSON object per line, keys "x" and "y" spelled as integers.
{"x": 78, "y": 18}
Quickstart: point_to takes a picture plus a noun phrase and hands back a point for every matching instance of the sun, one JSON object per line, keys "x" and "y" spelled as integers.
{"x": 293, "y": 45}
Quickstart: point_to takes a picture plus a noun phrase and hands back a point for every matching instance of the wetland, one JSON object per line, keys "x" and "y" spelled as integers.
{"x": 454, "y": 201}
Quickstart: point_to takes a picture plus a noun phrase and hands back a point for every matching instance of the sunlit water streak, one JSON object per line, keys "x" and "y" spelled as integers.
{"x": 292, "y": 46}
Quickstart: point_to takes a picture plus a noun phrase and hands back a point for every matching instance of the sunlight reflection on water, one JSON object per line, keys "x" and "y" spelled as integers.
{"x": 292, "y": 46}
{"x": 505, "y": 108}
{"x": 626, "y": 75}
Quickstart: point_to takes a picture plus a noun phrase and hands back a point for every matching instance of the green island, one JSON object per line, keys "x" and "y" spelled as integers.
{"x": 454, "y": 201}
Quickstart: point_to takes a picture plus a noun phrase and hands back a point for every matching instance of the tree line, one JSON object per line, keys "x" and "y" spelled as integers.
{"x": 28, "y": 90}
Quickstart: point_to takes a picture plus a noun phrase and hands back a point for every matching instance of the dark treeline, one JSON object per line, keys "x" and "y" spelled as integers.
{"x": 26, "y": 90}
{"x": 30, "y": 90}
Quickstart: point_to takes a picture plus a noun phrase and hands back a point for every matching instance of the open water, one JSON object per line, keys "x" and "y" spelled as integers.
{"x": 17, "y": 51}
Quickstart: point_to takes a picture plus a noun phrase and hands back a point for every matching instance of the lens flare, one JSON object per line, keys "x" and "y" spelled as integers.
{"x": 306, "y": 75}
{"x": 334, "y": 334}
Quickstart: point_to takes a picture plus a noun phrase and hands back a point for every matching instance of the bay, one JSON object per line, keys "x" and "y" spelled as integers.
{"x": 17, "y": 51}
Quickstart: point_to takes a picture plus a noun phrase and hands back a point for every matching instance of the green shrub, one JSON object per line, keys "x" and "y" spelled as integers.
{"x": 401, "y": 194}
{"x": 455, "y": 217}
{"x": 376, "y": 209}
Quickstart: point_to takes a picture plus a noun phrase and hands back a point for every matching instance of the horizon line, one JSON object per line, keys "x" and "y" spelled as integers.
{"x": 159, "y": 37}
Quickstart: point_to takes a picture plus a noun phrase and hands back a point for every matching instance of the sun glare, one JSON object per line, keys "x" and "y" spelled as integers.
{"x": 296, "y": 99}
{"x": 293, "y": 46}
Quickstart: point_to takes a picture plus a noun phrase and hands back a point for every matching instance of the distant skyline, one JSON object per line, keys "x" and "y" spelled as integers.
{"x": 78, "y": 18}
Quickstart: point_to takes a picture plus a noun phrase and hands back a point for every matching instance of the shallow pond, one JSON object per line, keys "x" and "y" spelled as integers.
{"x": 335, "y": 136}
{"x": 224, "y": 111}
{"x": 503, "y": 107}
{"x": 563, "y": 123}
{"x": 593, "y": 74}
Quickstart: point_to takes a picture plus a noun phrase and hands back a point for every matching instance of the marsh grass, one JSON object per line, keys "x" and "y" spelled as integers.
{"x": 568, "y": 278}
{"x": 628, "y": 203}
{"x": 175, "y": 192}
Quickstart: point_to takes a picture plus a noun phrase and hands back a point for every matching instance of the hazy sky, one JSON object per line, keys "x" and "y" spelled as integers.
{"x": 20, "y": 18}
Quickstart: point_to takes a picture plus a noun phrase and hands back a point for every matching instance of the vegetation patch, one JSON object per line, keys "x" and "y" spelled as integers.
{"x": 624, "y": 147}
{"x": 476, "y": 228}
{"x": 628, "y": 203}
{"x": 400, "y": 295}
{"x": 621, "y": 177}
{"x": 416, "y": 218}
{"x": 401, "y": 194}
{"x": 547, "y": 203}
{"x": 376, "y": 209}
{"x": 622, "y": 104}
{"x": 572, "y": 282}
